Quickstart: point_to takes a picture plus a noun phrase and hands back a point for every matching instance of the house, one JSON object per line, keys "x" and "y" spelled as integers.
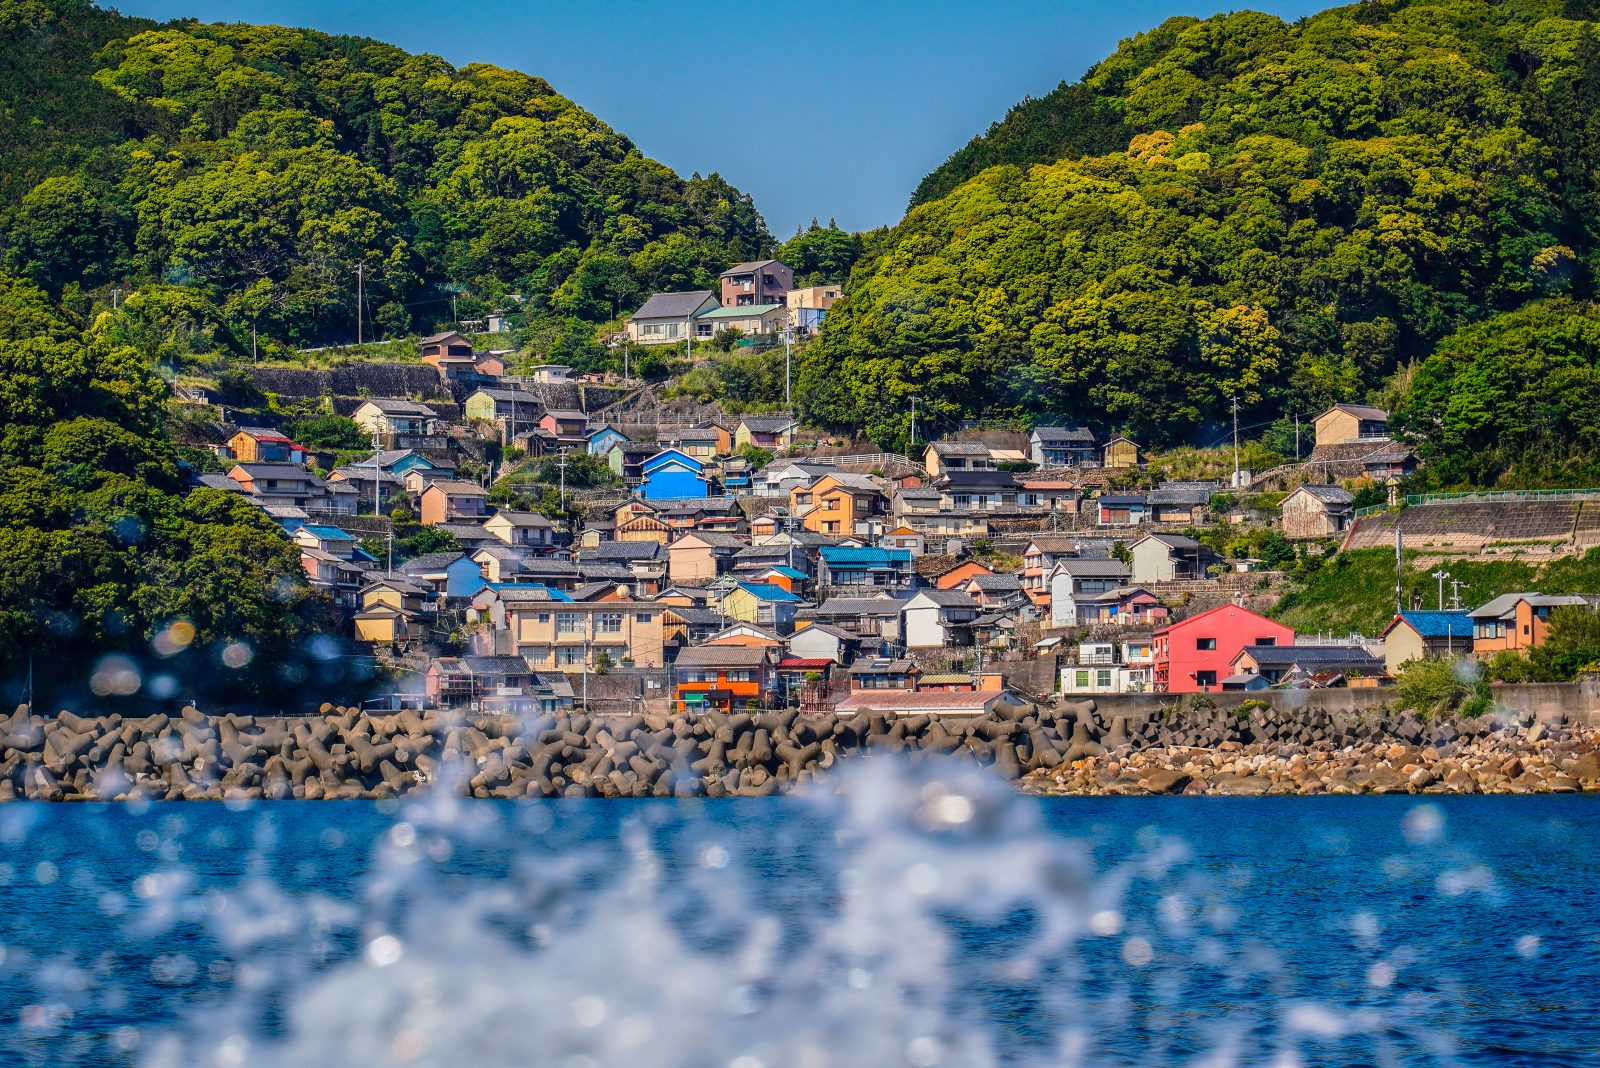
{"x": 1169, "y": 558}
{"x": 1316, "y": 512}
{"x": 493, "y": 605}
{"x": 1109, "y": 667}
{"x": 789, "y": 578}
{"x": 399, "y": 424}
{"x": 906, "y": 539}
{"x": 1181, "y": 502}
{"x": 626, "y": 459}
{"x": 340, "y": 577}
{"x": 454, "y": 574}
{"x": 280, "y": 483}
{"x": 978, "y": 490}
{"x": 1049, "y": 494}
{"x": 1119, "y": 453}
{"x": 756, "y": 283}
{"x": 1345, "y": 423}
{"x": 450, "y": 499}
{"x": 1194, "y": 655}
{"x": 724, "y": 434}
{"x": 759, "y": 320}
{"x": 642, "y": 563}
{"x": 883, "y": 673}
{"x": 951, "y": 575}
{"x": 837, "y": 503}
{"x": 698, "y": 442}
{"x": 254, "y": 444}
{"x": 1063, "y": 446}
{"x": 1123, "y": 510}
{"x": 939, "y": 619}
{"x": 942, "y": 457}
{"x": 916, "y": 500}
{"x": 495, "y": 684}
{"x": 770, "y": 432}
{"x": 385, "y": 625}
{"x": 821, "y": 641}
{"x": 808, "y": 307}
{"x": 368, "y": 487}
{"x": 335, "y": 541}
{"x": 668, "y": 318}
{"x": 994, "y": 592}
{"x": 671, "y": 475}
{"x": 400, "y": 462}
{"x": 736, "y": 476}
{"x": 448, "y": 348}
{"x": 744, "y": 632}
{"x": 570, "y": 426}
{"x": 1039, "y": 558}
{"x": 722, "y": 678}
{"x": 874, "y": 621}
{"x": 701, "y": 556}
{"x": 844, "y": 565}
{"x": 916, "y": 703}
{"x": 1274, "y": 662}
{"x": 1516, "y": 621}
{"x": 523, "y": 530}
{"x": 602, "y": 438}
{"x": 778, "y": 478}
{"x": 763, "y": 604}
{"x": 1074, "y": 578}
{"x": 499, "y": 563}
{"x": 507, "y": 407}
{"x": 579, "y": 635}
{"x": 690, "y": 624}
{"x": 1120, "y": 606}
{"x": 1420, "y": 635}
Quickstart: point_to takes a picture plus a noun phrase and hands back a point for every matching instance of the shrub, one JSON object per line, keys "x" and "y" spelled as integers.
{"x": 1508, "y": 666}
{"x": 1434, "y": 686}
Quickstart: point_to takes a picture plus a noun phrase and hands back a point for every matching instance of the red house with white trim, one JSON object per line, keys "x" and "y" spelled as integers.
{"x": 1194, "y": 655}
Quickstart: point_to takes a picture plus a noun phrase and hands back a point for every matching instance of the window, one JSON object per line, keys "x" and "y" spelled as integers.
{"x": 570, "y": 657}
{"x": 1266, "y": 641}
{"x": 544, "y": 617}
{"x": 740, "y": 676}
{"x": 1102, "y": 678}
{"x": 1205, "y": 679}
{"x": 641, "y": 617}
{"x": 1205, "y": 644}
{"x": 609, "y": 623}
{"x": 1080, "y": 679}
{"x": 569, "y": 623}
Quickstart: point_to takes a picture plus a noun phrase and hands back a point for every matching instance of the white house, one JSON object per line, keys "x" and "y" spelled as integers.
{"x": 1071, "y": 577}
{"x": 936, "y": 619}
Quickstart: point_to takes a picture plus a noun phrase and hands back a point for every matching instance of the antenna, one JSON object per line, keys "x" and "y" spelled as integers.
{"x": 1441, "y": 575}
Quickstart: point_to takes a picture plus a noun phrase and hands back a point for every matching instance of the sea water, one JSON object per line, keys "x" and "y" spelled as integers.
{"x": 918, "y": 916}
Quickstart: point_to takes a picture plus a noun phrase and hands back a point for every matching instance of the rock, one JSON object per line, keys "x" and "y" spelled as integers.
{"x": 1165, "y": 781}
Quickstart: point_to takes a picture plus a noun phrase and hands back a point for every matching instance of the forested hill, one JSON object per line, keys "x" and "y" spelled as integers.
{"x": 1236, "y": 206}
{"x": 260, "y": 166}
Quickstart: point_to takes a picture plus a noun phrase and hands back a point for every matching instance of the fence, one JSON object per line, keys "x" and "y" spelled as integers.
{"x": 1503, "y": 496}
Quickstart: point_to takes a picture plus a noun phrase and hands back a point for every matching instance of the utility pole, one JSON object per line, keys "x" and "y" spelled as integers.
{"x": 1235, "y": 442}
{"x": 1456, "y": 586}
{"x": 116, "y": 297}
{"x": 1296, "y": 437}
{"x": 1399, "y": 573}
{"x": 361, "y": 296}
{"x": 562, "y": 463}
{"x": 254, "y": 355}
{"x": 391, "y": 552}
{"x": 788, "y": 353}
{"x": 913, "y": 445}
{"x": 377, "y": 490}
{"x": 1441, "y": 575}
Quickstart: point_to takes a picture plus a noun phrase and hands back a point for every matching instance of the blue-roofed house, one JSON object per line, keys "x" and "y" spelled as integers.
{"x": 1418, "y": 635}
{"x": 335, "y": 541}
{"x": 671, "y": 475}
{"x": 601, "y": 439}
{"x": 846, "y": 565}
{"x": 456, "y": 575}
{"x": 763, "y": 604}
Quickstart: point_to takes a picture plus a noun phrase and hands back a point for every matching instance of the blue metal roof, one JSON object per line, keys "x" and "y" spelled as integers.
{"x": 329, "y": 533}
{"x": 1440, "y": 624}
{"x": 555, "y": 595}
{"x": 767, "y": 591}
{"x": 849, "y": 554}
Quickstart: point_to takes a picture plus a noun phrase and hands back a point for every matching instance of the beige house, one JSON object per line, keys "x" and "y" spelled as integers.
{"x": 821, "y": 297}
{"x": 1345, "y": 423}
{"x": 669, "y": 318}
{"x": 1316, "y": 512}
{"x": 756, "y": 320}
{"x": 700, "y": 557}
{"x": 450, "y": 499}
{"x": 571, "y": 636}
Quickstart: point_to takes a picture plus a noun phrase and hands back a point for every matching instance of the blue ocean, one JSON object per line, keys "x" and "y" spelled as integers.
{"x": 913, "y": 917}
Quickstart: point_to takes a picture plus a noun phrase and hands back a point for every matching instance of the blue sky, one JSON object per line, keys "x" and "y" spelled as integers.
{"x": 815, "y": 110}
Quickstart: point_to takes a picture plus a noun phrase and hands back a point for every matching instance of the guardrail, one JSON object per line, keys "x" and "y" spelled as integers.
{"x": 1502, "y": 496}
{"x": 1374, "y": 509}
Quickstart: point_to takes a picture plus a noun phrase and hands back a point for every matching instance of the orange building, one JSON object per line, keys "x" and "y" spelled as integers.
{"x": 961, "y": 574}
{"x": 835, "y": 503}
{"x": 1515, "y": 621}
{"x": 723, "y": 678}
{"x": 448, "y": 499}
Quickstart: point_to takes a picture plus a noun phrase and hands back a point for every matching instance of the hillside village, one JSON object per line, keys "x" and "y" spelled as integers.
{"x": 691, "y": 560}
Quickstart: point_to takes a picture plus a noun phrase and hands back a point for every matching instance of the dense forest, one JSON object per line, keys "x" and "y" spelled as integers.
{"x": 261, "y": 168}
{"x": 1239, "y": 207}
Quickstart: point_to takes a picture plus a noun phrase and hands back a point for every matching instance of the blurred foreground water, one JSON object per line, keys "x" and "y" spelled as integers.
{"x": 923, "y": 916}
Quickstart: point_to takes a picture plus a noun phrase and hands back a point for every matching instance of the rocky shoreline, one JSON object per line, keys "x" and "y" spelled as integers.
{"x": 1066, "y": 748}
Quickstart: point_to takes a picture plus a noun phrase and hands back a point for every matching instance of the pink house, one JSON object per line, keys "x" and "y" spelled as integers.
{"x": 1195, "y": 654}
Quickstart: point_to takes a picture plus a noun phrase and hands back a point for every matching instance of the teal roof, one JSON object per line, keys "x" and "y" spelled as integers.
{"x": 738, "y": 313}
{"x": 329, "y": 533}
{"x": 787, "y": 572}
{"x": 767, "y": 592}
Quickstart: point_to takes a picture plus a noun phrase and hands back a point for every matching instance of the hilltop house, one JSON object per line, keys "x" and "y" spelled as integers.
{"x": 942, "y": 457}
{"x": 1316, "y": 512}
{"x": 255, "y": 444}
{"x": 1169, "y": 558}
{"x": 448, "y": 499}
{"x": 771, "y": 432}
{"x": 399, "y": 424}
{"x": 758, "y": 320}
{"x": 1119, "y": 453}
{"x": 1345, "y": 423}
{"x": 759, "y": 282}
{"x": 1418, "y": 635}
{"x": 1063, "y": 446}
{"x": 668, "y": 318}
{"x": 453, "y": 356}
{"x": 1181, "y": 502}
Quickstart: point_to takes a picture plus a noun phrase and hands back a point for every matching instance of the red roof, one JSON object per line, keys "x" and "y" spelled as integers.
{"x": 800, "y": 663}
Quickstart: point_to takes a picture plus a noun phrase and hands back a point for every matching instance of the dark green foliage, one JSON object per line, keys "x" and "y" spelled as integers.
{"x": 264, "y": 167}
{"x": 821, "y": 254}
{"x": 1515, "y": 399}
{"x": 336, "y": 432}
{"x": 1279, "y": 213}
{"x": 99, "y": 548}
{"x": 1571, "y": 645}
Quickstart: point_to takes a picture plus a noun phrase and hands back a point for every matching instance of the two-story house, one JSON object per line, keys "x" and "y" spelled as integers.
{"x": 576, "y": 635}
{"x": 837, "y": 503}
{"x": 670, "y": 318}
{"x": 449, "y": 500}
{"x": 770, "y": 432}
{"x": 255, "y": 444}
{"x": 722, "y": 678}
{"x": 521, "y": 530}
{"x": 1063, "y": 446}
{"x": 845, "y": 565}
{"x": 1169, "y": 558}
{"x": 1194, "y": 655}
{"x": 939, "y": 619}
{"x": 943, "y": 457}
{"x": 398, "y": 423}
{"x": 279, "y": 483}
{"x": 758, "y": 282}
{"x": 1072, "y": 578}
